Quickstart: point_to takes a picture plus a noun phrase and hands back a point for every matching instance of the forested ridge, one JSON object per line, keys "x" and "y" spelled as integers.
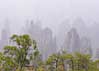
{"x": 24, "y": 55}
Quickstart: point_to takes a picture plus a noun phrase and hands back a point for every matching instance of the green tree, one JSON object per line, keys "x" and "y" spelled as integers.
{"x": 52, "y": 62}
{"x": 35, "y": 57}
{"x": 19, "y": 53}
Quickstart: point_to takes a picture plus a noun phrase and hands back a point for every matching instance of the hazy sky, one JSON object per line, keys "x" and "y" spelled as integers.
{"x": 50, "y": 12}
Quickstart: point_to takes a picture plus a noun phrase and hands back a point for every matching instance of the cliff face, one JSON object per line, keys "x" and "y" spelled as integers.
{"x": 44, "y": 38}
{"x": 5, "y": 35}
{"x": 72, "y": 41}
{"x": 86, "y": 47}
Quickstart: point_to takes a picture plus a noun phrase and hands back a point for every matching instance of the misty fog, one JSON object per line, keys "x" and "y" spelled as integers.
{"x": 56, "y": 22}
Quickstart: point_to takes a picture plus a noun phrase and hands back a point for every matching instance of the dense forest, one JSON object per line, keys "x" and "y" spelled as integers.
{"x": 23, "y": 55}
